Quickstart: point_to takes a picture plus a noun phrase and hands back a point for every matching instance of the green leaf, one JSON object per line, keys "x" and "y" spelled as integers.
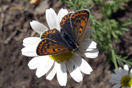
{"x": 114, "y": 35}
{"x": 118, "y": 32}
{"x": 129, "y": 22}
{"x": 125, "y": 29}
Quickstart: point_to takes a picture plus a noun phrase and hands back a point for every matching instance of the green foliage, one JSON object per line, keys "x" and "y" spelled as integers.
{"x": 123, "y": 60}
{"x": 107, "y": 31}
{"x": 26, "y": 0}
{"x": 113, "y": 6}
{"x": 77, "y": 4}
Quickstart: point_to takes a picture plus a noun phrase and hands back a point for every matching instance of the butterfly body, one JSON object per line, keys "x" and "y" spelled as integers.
{"x": 68, "y": 39}
{"x": 73, "y": 27}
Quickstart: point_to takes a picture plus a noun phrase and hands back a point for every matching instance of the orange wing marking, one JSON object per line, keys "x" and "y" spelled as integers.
{"x": 45, "y": 34}
{"x": 83, "y": 23}
{"x": 64, "y": 19}
{"x": 40, "y": 46}
{"x": 79, "y": 13}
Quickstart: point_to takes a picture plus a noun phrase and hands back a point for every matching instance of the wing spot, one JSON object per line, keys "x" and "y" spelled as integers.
{"x": 54, "y": 50}
{"x": 57, "y": 50}
{"x": 80, "y": 30}
{"x": 54, "y": 31}
{"x": 74, "y": 22}
{"x": 50, "y": 43}
{"x": 83, "y": 23}
{"x": 45, "y": 53}
{"x": 50, "y": 50}
{"x": 86, "y": 19}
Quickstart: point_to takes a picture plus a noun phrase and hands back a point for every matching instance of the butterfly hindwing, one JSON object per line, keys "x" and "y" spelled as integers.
{"x": 53, "y": 34}
{"x": 48, "y": 33}
{"x": 79, "y": 22}
{"x": 52, "y": 43}
{"x": 51, "y": 47}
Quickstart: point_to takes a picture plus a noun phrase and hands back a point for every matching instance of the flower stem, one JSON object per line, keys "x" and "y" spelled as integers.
{"x": 113, "y": 56}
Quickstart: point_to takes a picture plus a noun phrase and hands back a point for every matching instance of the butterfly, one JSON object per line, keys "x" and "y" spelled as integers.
{"x": 73, "y": 27}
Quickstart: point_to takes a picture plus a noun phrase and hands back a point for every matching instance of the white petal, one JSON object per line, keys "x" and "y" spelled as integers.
{"x": 114, "y": 81}
{"x": 131, "y": 72}
{"x": 120, "y": 68}
{"x": 89, "y": 54}
{"x": 38, "y": 27}
{"x": 74, "y": 70}
{"x": 51, "y": 18}
{"x": 78, "y": 60}
{"x": 62, "y": 74}
{"x": 126, "y": 67}
{"x": 52, "y": 73}
{"x": 31, "y": 41}
{"x": 85, "y": 67}
{"x": 92, "y": 45}
{"x": 88, "y": 45}
{"x": 124, "y": 72}
{"x": 34, "y": 63}
{"x": 116, "y": 77}
{"x": 29, "y": 51}
{"x": 44, "y": 67}
{"x": 61, "y": 14}
{"x": 116, "y": 86}
{"x": 92, "y": 54}
{"x": 118, "y": 72}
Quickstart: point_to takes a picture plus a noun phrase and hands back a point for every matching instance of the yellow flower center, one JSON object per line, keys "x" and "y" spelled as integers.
{"x": 61, "y": 57}
{"x": 126, "y": 81}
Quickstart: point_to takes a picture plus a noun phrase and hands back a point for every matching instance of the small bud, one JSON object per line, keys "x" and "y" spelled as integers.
{"x": 36, "y": 2}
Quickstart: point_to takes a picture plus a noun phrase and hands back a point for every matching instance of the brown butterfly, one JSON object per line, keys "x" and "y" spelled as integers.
{"x": 73, "y": 27}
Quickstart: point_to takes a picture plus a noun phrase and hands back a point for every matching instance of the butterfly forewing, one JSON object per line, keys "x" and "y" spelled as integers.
{"x": 51, "y": 47}
{"x": 79, "y": 22}
{"x": 66, "y": 26}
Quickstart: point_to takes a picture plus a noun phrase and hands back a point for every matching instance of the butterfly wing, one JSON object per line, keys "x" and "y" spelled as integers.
{"x": 51, "y": 47}
{"x": 55, "y": 35}
{"x": 52, "y": 43}
{"x": 79, "y": 21}
{"x": 66, "y": 26}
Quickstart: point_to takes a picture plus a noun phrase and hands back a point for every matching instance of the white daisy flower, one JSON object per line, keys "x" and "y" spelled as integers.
{"x": 50, "y": 65}
{"x": 122, "y": 78}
